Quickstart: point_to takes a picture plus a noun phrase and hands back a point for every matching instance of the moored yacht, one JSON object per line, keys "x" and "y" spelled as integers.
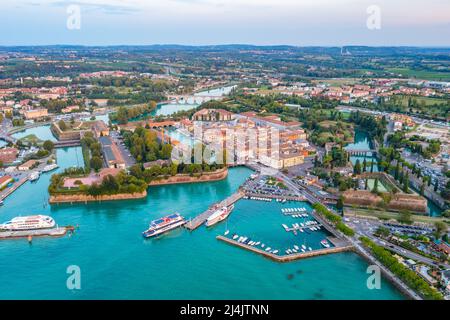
{"x": 50, "y": 167}
{"x": 219, "y": 215}
{"x": 34, "y": 176}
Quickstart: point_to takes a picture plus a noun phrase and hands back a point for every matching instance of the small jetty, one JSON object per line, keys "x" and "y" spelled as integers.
{"x": 29, "y": 234}
{"x": 341, "y": 246}
{"x": 202, "y": 217}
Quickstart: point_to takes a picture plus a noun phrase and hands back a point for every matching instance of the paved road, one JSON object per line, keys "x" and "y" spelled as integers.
{"x": 366, "y": 227}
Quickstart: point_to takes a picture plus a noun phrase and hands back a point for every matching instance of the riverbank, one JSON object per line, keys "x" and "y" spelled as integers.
{"x": 217, "y": 175}
{"x": 84, "y": 198}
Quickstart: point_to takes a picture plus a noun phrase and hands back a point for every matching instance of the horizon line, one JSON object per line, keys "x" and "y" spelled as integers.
{"x": 227, "y": 44}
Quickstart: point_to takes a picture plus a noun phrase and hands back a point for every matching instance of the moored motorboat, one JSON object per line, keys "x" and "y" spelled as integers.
{"x": 325, "y": 243}
{"x": 34, "y": 176}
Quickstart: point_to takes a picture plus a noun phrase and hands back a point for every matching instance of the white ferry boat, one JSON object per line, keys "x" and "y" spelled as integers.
{"x": 163, "y": 225}
{"x": 50, "y": 167}
{"x": 219, "y": 215}
{"x": 34, "y": 176}
{"x": 28, "y": 223}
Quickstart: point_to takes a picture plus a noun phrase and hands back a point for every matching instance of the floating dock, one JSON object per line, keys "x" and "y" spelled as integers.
{"x": 201, "y": 218}
{"x": 342, "y": 246}
{"x": 54, "y": 232}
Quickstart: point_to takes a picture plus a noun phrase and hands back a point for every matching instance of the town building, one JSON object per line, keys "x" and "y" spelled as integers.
{"x": 100, "y": 129}
{"x": 111, "y": 153}
{"x": 70, "y": 109}
{"x": 212, "y": 115}
{"x": 30, "y": 164}
{"x": 8, "y": 155}
{"x": 35, "y": 113}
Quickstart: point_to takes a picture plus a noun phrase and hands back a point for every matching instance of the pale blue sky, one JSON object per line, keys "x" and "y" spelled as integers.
{"x": 195, "y": 22}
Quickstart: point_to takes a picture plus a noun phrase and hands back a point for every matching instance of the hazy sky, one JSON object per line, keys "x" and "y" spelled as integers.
{"x": 296, "y": 22}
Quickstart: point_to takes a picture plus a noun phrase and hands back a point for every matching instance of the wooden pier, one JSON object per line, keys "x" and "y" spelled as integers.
{"x": 201, "y": 218}
{"x": 291, "y": 257}
{"x": 54, "y": 232}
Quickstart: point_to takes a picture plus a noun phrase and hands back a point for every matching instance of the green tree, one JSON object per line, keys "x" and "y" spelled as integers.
{"x": 96, "y": 163}
{"x": 357, "y": 168}
{"x": 440, "y": 228}
{"x": 405, "y": 217}
{"x": 340, "y": 203}
{"x": 62, "y": 125}
{"x": 48, "y": 145}
{"x": 375, "y": 186}
{"x": 397, "y": 171}
{"x": 406, "y": 183}
{"x": 122, "y": 115}
{"x": 382, "y": 231}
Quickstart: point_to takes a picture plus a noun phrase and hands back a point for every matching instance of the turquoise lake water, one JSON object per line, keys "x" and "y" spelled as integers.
{"x": 117, "y": 263}
{"x": 42, "y": 132}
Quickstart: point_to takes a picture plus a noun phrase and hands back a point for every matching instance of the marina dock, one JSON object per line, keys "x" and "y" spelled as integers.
{"x": 54, "y": 232}
{"x": 342, "y": 247}
{"x": 272, "y": 196}
{"x": 201, "y": 218}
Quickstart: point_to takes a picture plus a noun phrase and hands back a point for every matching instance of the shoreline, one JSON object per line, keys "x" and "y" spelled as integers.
{"x": 80, "y": 198}
{"x": 186, "y": 178}
{"x": 388, "y": 275}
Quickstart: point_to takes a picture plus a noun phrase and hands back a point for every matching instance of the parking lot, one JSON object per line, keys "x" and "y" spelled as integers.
{"x": 126, "y": 155}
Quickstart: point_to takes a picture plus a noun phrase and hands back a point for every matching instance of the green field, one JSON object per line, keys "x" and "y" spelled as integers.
{"x": 421, "y": 74}
{"x": 427, "y": 100}
{"x": 381, "y": 186}
{"x": 386, "y": 215}
{"x": 31, "y": 139}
